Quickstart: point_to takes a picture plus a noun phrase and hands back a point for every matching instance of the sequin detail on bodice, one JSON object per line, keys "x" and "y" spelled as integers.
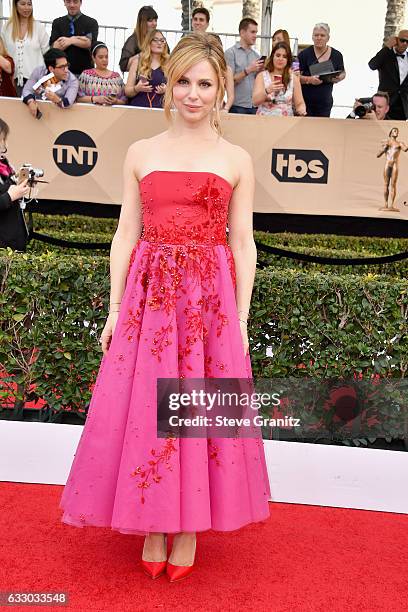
{"x": 184, "y": 207}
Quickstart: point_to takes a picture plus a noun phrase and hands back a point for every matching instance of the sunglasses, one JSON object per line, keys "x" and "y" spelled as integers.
{"x": 403, "y": 40}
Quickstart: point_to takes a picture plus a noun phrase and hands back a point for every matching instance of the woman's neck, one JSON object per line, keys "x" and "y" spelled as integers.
{"x": 103, "y": 70}
{"x": 182, "y": 129}
{"x": 156, "y": 58}
{"x": 22, "y": 25}
{"x": 321, "y": 50}
{"x": 277, "y": 71}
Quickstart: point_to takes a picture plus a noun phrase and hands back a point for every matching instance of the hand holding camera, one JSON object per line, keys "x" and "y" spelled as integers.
{"x": 16, "y": 192}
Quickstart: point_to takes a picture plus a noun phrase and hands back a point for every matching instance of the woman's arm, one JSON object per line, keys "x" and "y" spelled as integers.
{"x": 299, "y": 103}
{"x": 6, "y": 64}
{"x": 241, "y": 238}
{"x": 229, "y": 88}
{"x": 131, "y": 85}
{"x": 129, "y": 227}
{"x": 259, "y": 95}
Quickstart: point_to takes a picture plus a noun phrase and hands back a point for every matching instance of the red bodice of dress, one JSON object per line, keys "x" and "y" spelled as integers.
{"x": 184, "y": 207}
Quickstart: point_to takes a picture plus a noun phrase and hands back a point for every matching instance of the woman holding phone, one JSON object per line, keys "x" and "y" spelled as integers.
{"x": 277, "y": 90}
{"x": 100, "y": 85}
{"x": 146, "y": 83}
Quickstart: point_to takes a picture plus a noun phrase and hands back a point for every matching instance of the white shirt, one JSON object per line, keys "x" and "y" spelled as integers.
{"x": 403, "y": 66}
{"x": 28, "y": 52}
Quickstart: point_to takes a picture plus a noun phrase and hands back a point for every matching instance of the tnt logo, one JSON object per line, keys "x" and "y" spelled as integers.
{"x": 75, "y": 153}
{"x": 299, "y": 166}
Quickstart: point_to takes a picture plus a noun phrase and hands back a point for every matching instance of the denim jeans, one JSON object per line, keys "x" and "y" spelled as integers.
{"x": 242, "y": 110}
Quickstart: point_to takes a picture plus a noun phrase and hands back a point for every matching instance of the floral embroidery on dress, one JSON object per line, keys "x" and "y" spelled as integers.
{"x": 214, "y": 450}
{"x": 180, "y": 257}
{"x": 151, "y": 474}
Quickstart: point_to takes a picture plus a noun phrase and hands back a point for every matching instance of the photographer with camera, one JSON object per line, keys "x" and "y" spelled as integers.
{"x": 375, "y": 108}
{"x": 13, "y": 229}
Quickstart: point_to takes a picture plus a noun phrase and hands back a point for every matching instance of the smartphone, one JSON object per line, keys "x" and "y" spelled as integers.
{"x": 23, "y": 175}
{"x": 262, "y": 58}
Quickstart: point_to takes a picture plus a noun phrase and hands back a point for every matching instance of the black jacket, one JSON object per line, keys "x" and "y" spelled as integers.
{"x": 79, "y": 59}
{"x": 387, "y": 65}
{"x": 13, "y": 229}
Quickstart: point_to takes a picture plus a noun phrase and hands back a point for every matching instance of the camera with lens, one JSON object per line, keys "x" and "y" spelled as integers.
{"x": 29, "y": 173}
{"x": 366, "y": 106}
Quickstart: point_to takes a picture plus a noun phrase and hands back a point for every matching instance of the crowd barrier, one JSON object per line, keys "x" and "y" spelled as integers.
{"x": 303, "y": 166}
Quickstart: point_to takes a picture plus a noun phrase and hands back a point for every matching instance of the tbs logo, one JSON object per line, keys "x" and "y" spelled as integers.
{"x": 300, "y": 166}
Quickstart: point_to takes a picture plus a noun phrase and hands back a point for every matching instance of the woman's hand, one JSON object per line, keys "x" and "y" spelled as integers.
{"x": 108, "y": 330}
{"x": 101, "y": 100}
{"x": 160, "y": 89}
{"x": 16, "y": 192}
{"x": 274, "y": 87}
{"x": 143, "y": 86}
{"x": 244, "y": 334}
{"x": 314, "y": 80}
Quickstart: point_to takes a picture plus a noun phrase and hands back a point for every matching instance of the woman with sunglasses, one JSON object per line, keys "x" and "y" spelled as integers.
{"x": 146, "y": 83}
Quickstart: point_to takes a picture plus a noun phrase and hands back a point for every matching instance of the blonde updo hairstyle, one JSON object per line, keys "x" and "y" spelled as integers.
{"x": 190, "y": 50}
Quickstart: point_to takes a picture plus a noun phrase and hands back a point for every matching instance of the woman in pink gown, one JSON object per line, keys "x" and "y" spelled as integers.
{"x": 179, "y": 302}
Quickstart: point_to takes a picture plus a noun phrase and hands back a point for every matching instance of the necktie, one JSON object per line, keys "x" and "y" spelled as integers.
{"x": 71, "y": 27}
{"x": 400, "y": 55}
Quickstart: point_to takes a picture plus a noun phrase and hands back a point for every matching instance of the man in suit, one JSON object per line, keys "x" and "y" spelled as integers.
{"x": 392, "y": 65}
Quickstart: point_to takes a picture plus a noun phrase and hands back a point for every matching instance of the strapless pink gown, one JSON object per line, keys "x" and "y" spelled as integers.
{"x": 178, "y": 318}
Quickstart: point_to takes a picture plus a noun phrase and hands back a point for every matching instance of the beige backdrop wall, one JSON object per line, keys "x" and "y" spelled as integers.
{"x": 352, "y": 184}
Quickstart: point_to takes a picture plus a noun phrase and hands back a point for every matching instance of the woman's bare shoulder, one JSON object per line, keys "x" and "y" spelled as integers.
{"x": 146, "y": 143}
{"x": 238, "y": 155}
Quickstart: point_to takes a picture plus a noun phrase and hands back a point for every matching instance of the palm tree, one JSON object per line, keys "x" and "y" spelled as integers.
{"x": 251, "y": 8}
{"x": 394, "y": 18}
{"x": 187, "y": 7}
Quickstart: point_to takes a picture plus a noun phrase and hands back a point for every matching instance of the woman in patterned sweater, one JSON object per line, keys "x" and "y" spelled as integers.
{"x": 100, "y": 85}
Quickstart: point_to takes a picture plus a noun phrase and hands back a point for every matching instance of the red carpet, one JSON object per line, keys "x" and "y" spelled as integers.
{"x": 305, "y": 558}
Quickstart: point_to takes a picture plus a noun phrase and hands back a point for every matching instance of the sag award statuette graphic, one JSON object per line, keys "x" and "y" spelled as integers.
{"x": 391, "y": 148}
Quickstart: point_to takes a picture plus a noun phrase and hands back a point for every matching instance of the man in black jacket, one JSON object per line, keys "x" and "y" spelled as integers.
{"x": 13, "y": 230}
{"x": 392, "y": 65}
{"x": 75, "y": 33}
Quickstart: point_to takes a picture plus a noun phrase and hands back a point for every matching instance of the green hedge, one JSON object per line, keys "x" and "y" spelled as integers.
{"x": 379, "y": 246}
{"x": 37, "y": 246}
{"x": 302, "y": 324}
{"x": 73, "y": 223}
{"x": 357, "y": 244}
{"x": 397, "y": 268}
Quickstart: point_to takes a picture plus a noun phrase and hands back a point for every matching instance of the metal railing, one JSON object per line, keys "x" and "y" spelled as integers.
{"x": 115, "y": 36}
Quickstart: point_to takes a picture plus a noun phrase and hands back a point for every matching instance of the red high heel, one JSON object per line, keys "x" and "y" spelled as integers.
{"x": 178, "y": 572}
{"x": 154, "y": 569}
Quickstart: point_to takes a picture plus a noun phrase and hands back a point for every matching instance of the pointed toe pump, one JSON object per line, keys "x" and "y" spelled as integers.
{"x": 154, "y": 569}
{"x": 178, "y": 572}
